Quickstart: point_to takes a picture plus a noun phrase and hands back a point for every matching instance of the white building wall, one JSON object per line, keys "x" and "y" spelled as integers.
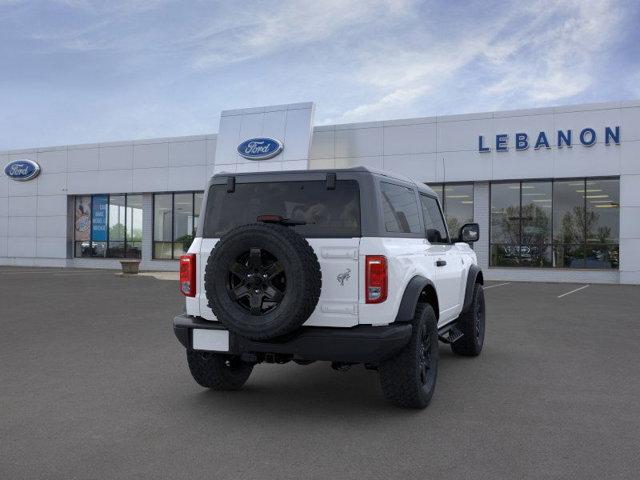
{"x": 445, "y": 149}
{"x": 290, "y": 124}
{"x": 36, "y": 220}
{"x": 147, "y": 227}
{"x": 481, "y": 209}
{"x": 630, "y": 227}
{"x": 34, "y": 215}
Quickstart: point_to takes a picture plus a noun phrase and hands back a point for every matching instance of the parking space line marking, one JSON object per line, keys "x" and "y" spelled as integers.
{"x": 497, "y": 285}
{"x": 573, "y": 291}
{"x": 56, "y": 274}
{"x": 20, "y": 273}
{"x": 78, "y": 273}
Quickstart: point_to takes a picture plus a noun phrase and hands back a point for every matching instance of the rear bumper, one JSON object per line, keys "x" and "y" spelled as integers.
{"x": 360, "y": 344}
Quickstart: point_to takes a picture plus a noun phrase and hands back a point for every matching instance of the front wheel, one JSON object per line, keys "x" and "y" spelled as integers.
{"x": 409, "y": 378}
{"x": 217, "y": 371}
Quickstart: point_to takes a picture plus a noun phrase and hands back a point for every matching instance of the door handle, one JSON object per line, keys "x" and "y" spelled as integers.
{"x": 441, "y": 263}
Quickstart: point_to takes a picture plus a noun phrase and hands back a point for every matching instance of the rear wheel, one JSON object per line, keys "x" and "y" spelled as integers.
{"x": 471, "y": 323}
{"x": 409, "y": 378}
{"x": 217, "y": 371}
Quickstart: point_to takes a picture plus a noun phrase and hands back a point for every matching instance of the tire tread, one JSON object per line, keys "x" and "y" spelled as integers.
{"x": 467, "y": 345}
{"x": 212, "y": 372}
{"x": 398, "y": 374}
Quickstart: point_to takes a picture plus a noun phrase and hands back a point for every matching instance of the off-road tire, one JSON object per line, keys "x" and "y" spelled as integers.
{"x": 403, "y": 380}
{"x": 217, "y": 371}
{"x": 299, "y": 264}
{"x": 472, "y": 325}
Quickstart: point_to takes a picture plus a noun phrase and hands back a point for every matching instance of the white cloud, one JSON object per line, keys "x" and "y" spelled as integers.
{"x": 112, "y": 6}
{"x": 218, "y": 33}
{"x": 404, "y": 77}
{"x": 164, "y": 67}
{"x": 554, "y": 63}
{"x": 397, "y": 98}
{"x": 254, "y": 33}
{"x": 543, "y": 52}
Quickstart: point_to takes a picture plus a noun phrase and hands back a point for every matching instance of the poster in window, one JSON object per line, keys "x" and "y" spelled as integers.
{"x": 99, "y": 218}
{"x": 83, "y": 219}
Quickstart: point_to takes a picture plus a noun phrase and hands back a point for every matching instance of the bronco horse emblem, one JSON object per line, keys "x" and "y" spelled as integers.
{"x": 344, "y": 276}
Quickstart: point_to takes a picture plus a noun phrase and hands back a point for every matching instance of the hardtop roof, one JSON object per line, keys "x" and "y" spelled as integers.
{"x": 360, "y": 169}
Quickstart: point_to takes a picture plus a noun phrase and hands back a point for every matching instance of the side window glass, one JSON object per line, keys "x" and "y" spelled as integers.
{"x": 434, "y": 223}
{"x": 400, "y": 209}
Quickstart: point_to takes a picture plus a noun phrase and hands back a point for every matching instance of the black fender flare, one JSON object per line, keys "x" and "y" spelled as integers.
{"x": 474, "y": 276}
{"x": 411, "y": 297}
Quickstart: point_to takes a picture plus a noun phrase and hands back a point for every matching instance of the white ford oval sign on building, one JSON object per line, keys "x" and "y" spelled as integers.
{"x": 260, "y": 148}
{"x": 22, "y": 170}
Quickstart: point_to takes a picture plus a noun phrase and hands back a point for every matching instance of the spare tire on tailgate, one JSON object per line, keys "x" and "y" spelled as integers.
{"x": 262, "y": 280}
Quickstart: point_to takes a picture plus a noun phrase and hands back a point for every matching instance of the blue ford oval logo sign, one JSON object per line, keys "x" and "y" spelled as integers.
{"x": 260, "y": 148}
{"x": 22, "y": 170}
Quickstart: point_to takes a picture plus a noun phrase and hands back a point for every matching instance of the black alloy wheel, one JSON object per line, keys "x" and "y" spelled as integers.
{"x": 425, "y": 357}
{"x": 257, "y": 281}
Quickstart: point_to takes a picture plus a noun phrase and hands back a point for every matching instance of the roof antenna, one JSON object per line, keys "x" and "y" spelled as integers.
{"x": 444, "y": 171}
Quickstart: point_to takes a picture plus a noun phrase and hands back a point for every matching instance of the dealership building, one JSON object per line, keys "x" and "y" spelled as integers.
{"x": 556, "y": 190}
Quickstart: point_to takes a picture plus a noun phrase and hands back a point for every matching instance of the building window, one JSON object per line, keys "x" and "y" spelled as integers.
{"x": 562, "y": 224}
{"x": 133, "y": 232}
{"x": 82, "y": 226}
{"x": 117, "y": 219}
{"x": 175, "y": 220}
{"x": 521, "y": 224}
{"x": 457, "y": 204}
{"x": 162, "y": 225}
{"x": 108, "y": 226}
{"x": 586, "y": 223}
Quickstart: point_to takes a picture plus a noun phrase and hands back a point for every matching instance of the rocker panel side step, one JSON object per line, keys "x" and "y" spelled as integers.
{"x": 450, "y": 333}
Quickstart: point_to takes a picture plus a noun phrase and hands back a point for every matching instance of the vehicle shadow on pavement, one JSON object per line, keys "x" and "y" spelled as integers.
{"x": 284, "y": 389}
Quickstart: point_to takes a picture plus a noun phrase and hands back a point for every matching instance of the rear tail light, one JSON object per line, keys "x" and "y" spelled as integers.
{"x": 188, "y": 274}
{"x": 376, "y": 278}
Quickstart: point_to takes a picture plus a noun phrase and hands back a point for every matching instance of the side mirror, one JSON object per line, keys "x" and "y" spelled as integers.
{"x": 469, "y": 233}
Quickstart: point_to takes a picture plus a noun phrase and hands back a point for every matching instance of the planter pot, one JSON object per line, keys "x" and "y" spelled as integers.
{"x": 130, "y": 267}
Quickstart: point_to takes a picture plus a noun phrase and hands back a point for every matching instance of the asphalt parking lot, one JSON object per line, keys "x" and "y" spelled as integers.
{"x": 93, "y": 384}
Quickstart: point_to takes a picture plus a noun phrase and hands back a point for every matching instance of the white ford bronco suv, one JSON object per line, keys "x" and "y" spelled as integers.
{"x": 348, "y": 266}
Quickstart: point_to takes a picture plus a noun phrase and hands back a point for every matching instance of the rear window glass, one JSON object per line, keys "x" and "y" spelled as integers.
{"x": 326, "y": 213}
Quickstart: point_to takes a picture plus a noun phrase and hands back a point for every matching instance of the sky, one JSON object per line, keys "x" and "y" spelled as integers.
{"x": 80, "y": 71}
